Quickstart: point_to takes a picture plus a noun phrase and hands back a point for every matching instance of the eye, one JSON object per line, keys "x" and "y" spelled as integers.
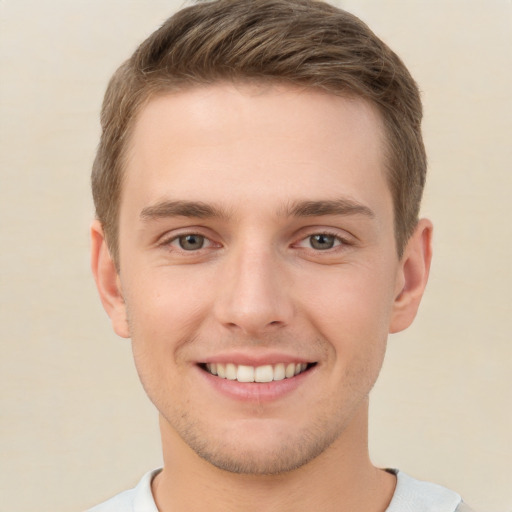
{"x": 321, "y": 242}
{"x": 191, "y": 242}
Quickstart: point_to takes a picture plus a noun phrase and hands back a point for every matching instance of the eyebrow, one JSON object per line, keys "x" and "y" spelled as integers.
{"x": 307, "y": 208}
{"x": 194, "y": 209}
{"x": 342, "y": 206}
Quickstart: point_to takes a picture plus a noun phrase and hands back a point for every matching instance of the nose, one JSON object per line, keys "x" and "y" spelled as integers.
{"x": 253, "y": 293}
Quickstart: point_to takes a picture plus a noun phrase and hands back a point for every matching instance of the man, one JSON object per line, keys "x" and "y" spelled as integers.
{"x": 257, "y": 189}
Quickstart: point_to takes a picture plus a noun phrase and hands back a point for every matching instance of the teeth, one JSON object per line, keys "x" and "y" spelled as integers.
{"x": 231, "y": 371}
{"x": 245, "y": 374}
{"x": 290, "y": 370}
{"x": 279, "y": 372}
{"x": 221, "y": 370}
{"x": 265, "y": 373}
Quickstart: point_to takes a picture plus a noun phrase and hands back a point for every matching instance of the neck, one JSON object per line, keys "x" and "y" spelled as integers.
{"x": 341, "y": 479}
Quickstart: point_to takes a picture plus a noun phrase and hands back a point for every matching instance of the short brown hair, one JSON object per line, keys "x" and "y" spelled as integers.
{"x": 300, "y": 42}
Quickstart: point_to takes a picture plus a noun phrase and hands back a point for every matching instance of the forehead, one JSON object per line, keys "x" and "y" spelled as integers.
{"x": 262, "y": 143}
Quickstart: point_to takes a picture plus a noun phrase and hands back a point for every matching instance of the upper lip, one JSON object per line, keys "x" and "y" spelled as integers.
{"x": 246, "y": 359}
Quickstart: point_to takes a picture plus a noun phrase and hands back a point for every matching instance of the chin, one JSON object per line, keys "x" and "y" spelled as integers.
{"x": 251, "y": 463}
{"x": 247, "y": 453}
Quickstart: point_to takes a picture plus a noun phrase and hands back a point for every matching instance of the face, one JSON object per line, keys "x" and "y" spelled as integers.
{"x": 258, "y": 269}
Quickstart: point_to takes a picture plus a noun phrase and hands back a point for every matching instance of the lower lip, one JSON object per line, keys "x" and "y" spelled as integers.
{"x": 256, "y": 391}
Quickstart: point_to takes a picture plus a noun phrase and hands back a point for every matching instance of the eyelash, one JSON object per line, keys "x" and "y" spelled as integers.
{"x": 176, "y": 238}
{"x": 338, "y": 242}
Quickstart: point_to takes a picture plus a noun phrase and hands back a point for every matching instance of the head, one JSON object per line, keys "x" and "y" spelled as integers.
{"x": 257, "y": 188}
{"x": 309, "y": 44}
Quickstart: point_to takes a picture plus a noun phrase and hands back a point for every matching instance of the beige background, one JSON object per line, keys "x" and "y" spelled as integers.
{"x": 75, "y": 424}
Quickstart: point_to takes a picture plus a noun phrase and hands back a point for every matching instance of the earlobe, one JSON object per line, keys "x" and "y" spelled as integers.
{"x": 412, "y": 277}
{"x": 107, "y": 281}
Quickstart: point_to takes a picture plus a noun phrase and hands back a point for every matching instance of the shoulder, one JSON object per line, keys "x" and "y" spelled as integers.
{"x": 138, "y": 499}
{"x": 413, "y": 495}
{"x": 464, "y": 508}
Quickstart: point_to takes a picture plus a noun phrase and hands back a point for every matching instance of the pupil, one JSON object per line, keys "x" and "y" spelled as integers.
{"x": 191, "y": 242}
{"x": 322, "y": 242}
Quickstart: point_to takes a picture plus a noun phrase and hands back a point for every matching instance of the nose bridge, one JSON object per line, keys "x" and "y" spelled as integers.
{"x": 253, "y": 295}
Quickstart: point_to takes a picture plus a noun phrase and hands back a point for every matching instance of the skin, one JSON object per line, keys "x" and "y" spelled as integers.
{"x": 266, "y": 170}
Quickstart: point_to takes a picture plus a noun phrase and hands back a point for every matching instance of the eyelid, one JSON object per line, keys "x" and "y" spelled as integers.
{"x": 342, "y": 239}
{"x": 175, "y": 242}
{"x": 168, "y": 239}
{"x": 338, "y": 241}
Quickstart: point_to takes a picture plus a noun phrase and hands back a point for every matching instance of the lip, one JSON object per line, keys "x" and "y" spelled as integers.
{"x": 255, "y": 359}
{"x": 256, "y": 392}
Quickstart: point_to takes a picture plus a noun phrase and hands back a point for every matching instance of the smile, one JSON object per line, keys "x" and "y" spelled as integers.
{"x": 264, "y": 373}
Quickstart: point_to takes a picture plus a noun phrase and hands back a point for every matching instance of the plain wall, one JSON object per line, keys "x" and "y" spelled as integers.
{"x": 76, "y": 426}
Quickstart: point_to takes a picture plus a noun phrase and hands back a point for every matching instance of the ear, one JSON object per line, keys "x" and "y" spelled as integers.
{"x": 412, "y": 276}
{"x": 107, "y": 281}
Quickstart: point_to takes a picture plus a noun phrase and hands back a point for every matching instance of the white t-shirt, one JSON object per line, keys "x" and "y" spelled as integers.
{"x": 410, "y": 496}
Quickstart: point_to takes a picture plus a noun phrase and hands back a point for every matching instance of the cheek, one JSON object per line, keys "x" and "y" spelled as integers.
{"x": 162, "y": 321}
{"x": 353, "y": 303}
{"x": 164, "y": 311}
{"x": 165, "y": 302}
{"x": 352, "y": 311}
